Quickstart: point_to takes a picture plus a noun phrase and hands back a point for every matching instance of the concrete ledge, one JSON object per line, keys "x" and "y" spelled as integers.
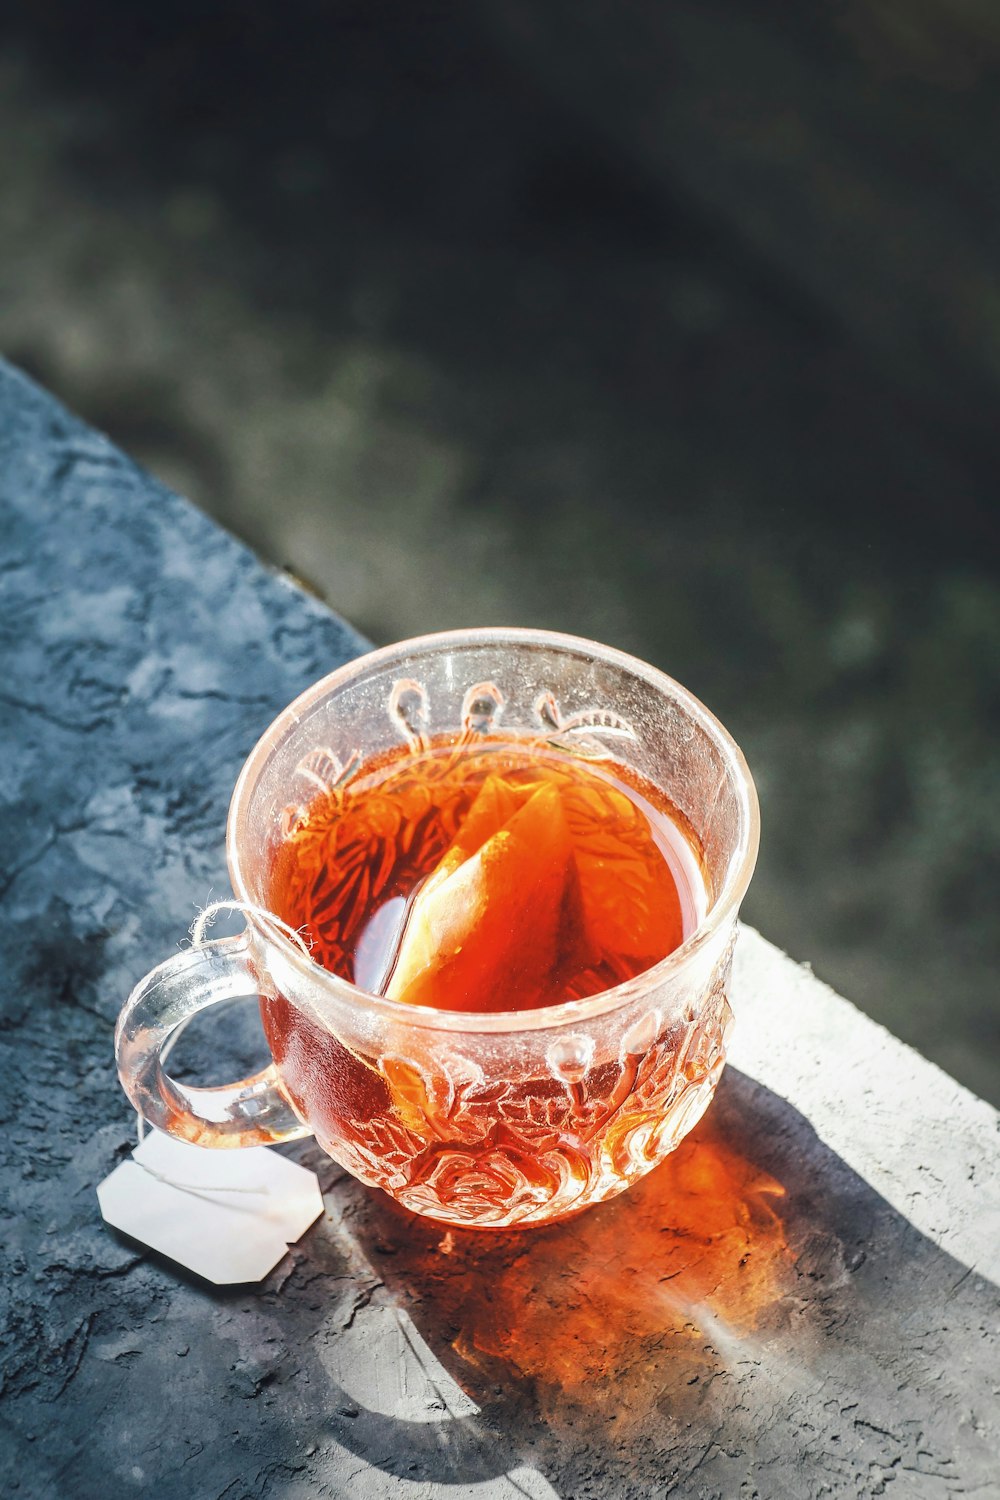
{"x": 918, "y": 1138}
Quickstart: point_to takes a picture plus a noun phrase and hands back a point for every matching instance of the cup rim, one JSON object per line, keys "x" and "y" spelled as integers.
{"x": 543, "y": 1017}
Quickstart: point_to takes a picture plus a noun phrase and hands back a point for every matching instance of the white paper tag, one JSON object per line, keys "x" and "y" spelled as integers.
{"x": 226, "y": 1215}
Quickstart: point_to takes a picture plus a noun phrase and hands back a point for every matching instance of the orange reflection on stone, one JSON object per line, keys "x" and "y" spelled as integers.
{"x": 682, "y": 1270}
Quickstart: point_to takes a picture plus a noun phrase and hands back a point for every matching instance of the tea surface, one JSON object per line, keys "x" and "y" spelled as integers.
{"x": 500, "y": 875}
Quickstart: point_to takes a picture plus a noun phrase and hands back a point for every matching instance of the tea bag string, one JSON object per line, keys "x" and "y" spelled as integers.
{"x": 204, "y": 920}
{"x": 207, "y": 916}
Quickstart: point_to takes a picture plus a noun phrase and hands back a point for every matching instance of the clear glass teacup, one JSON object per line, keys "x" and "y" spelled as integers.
{"x": 499, "y": 1119}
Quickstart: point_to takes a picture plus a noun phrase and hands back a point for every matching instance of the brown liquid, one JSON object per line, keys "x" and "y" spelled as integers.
{"x": 497, "y": 876}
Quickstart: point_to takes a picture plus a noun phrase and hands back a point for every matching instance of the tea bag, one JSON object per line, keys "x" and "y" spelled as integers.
{"x": 630, "y": 902}
{"x": 229, "y": 1216}
{"x": 483, "y": 932}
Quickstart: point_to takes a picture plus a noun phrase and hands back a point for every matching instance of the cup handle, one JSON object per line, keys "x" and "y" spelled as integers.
{"x": 254, "y": 1112}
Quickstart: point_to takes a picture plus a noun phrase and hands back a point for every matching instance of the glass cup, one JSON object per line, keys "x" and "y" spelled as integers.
{"x": 508, "y": 1118}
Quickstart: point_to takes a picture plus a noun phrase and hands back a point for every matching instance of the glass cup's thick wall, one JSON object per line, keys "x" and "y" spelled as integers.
{"x": 498, "y": 1128}
{"x": 511, "y": 1117}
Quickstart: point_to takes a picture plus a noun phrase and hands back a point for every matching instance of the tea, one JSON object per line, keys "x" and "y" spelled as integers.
{"x": 479, "y": 877}
{"x": 500, "y": 876}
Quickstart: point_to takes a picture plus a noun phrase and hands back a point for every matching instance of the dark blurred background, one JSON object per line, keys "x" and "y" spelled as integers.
{"x": 677, "y": 325}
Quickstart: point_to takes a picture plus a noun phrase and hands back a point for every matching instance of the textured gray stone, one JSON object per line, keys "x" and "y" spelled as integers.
{"x": 801, "y": 1302}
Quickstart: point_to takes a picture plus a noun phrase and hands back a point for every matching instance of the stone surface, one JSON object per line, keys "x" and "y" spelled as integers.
{"x": 802, "y": 1301}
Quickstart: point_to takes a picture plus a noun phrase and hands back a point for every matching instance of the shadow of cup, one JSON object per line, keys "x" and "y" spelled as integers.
{"x": 696, "y": 1248}
{"x": 747, "y": 1232}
